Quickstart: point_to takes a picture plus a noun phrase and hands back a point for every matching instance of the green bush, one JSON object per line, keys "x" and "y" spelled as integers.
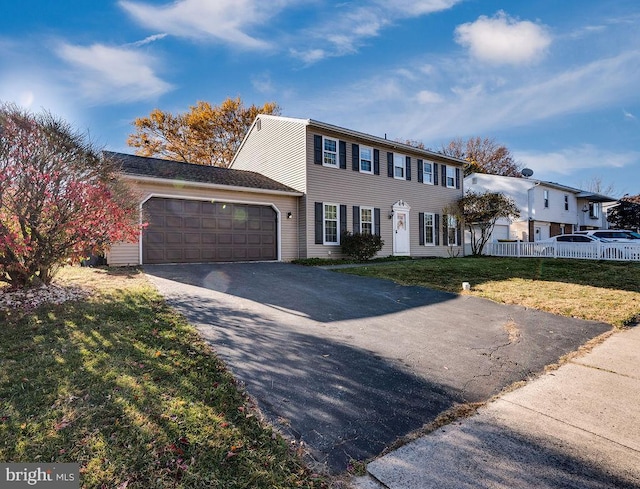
{"x": 361, "y": 247}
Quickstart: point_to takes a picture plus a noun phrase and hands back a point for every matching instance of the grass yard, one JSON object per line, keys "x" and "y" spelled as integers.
{"x": 122, "y": 385}
{"x": 597, "y": 290}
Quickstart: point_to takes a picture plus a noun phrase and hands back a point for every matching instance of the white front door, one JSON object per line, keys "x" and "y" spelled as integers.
{"x": 401, "y": 245}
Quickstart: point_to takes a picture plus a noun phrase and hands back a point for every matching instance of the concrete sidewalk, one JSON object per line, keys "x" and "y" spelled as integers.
{"x": 576, "y": 427}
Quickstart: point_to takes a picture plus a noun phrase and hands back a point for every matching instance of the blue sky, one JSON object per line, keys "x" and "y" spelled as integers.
{"x": 558, "y": 82}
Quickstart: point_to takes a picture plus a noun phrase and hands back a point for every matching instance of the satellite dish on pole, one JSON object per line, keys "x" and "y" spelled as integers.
{"x": 526, "y": 172}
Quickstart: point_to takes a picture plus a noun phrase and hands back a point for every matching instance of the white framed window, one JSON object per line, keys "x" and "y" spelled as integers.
{"x": 399, "y": 166}
{"x": 452, "y": 231}
{"x": 330, "y": 224}
{"x": 366, "y": 220}
{"x": 545, "y": 196}
{"x": 451, "y": 177}
{"x": 329, "y": 152}
{"x": 594, "y": 210}
{"x": 566, "y": 202}
{"x": 427, "y": 172}
{"x": 429, "y": 229}
{"x": 366, "y": 159}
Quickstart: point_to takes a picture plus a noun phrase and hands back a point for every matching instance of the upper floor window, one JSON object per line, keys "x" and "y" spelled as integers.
{"x": 330, "y": 221}
{"x": 366, "y": 220}
{"x": 545, "y": 195}
{"x": 427, "y": 172}
{"x": 429, "y": 229}
{"x": 399, "y": 162}
{"x": 366, "y": 159}
{"x": 566, "y": 202}
{"x": 330, "y": 151}
{"x": 594, "y": 210}
{"x": 451, "y": 177}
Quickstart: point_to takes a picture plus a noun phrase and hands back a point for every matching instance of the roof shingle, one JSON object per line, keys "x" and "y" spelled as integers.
{"x": 177, "y": 170}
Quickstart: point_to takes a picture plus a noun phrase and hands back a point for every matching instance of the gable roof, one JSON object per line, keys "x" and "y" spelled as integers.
{"x": 142, "y": 166}
{"x": 354, "y": 134}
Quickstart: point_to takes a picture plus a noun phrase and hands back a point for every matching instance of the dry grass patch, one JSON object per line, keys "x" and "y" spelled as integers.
{"x": 617, "y": 307}
{"x": 595, "y": 290}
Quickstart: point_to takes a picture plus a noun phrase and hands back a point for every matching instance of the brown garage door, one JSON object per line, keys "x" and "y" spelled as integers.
{"x": 191, "y": 231}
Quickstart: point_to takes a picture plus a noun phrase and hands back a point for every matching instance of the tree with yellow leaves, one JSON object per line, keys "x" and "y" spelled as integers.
{"x": 206, "y": 134}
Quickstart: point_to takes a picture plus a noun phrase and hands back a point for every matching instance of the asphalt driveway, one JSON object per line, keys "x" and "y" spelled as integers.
{"x": 346, "y": 364}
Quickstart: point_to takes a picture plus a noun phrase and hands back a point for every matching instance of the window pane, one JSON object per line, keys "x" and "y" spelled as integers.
{"x": 330, "y": 223}
{"x": 428, "y": 172}
{"x": 330, "y": 212}
{"x": 330, "y": 153}
{"x": 451, "y": 177}
{"x": 398, "y": 166}
{"x": 331, "y": 232}
{"x": 330, "y": 159}
{"x": 330, "y": 145}
{"x": 428, "y": 229}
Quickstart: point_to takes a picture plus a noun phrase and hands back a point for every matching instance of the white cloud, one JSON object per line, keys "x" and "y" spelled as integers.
{"x": 113, "y": 74}
{"x": 148, "y": 40}
{"x": 222, "y": 20}
{"x": 628, "y": 115}
{"x": 309, "y": 56}
{"x": 482, "y": 108}
{"x": 428, "y": 97}
{"x": 568, "y": 161}
{"x": 346, "y": 28}
{"x": 503, "y": 40}
{"x": 414, "y": 8}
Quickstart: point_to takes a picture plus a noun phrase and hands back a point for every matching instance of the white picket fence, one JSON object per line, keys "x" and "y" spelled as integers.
{"x": 582, "y": 251}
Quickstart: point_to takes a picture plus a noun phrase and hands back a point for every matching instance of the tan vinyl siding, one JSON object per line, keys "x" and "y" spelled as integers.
{"x": 276, "y": 150}
{"x": 128, "y": 254}
{"x": 124, "y": 255}
{"x": 352, "y": 188}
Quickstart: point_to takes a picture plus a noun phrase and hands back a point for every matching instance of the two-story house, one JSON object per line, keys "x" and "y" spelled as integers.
{"x": 293, "y": 188}
{"x": 546, "y": 208}
{"x": 356, "y": 182}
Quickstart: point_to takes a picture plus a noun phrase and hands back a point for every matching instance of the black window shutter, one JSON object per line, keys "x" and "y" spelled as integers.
{"x": 445, "y": 231}
{"x": 390, "y": 165}
{"x": 317, "y": 149}
{"x": 421, "y": 225}
{"x": 356, "y": 219}
{"x": 444, "y": 175}
{"x": 355, "y": 157}
{"x": 318, "y": 223}
{"x": 420, "y": 171}
{"x": 343, "y": 219}
{"x": 408, "y": 167}
{"x": 436, "y": 227}
{"x": 343, "y": 154}
{"x": 376, "y": 162}
{"x": 435, "y": 174}
{"x": 458, "y": 178}
{"x": 459, "y": 234}
{"x": 376, "y": 221}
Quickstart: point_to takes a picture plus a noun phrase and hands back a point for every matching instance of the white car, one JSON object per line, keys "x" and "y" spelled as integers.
{"x": 574, "y": 238}
{"x": 577, "y": 245}
{"x": 612, "y": 235}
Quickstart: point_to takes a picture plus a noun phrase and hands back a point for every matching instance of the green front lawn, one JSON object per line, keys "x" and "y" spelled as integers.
{"x": 597, "y": 290}
{"x": 122, "y": 385}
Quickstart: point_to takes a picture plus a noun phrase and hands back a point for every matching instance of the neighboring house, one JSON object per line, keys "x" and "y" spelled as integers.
{"x": 546, "y": 208}
{"x": 294, "y": 187}
{"x": 356, "y": 182}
